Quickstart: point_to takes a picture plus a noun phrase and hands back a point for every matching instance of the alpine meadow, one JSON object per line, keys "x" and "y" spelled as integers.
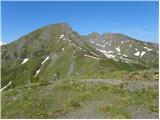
{"x": 56, "y": 72}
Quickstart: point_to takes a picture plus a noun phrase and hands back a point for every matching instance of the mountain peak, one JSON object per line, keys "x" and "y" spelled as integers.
{"x": 94, "y": 35}
{"x": 67, "y": 53}
{"x": 63, "y": 26}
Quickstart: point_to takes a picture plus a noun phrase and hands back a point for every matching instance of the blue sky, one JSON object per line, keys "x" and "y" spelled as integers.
{"x": 136, "y": 19}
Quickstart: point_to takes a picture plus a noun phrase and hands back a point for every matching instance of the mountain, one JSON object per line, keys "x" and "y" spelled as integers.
{"x": 57, "y": 52}
{"x": 54, "y": 72}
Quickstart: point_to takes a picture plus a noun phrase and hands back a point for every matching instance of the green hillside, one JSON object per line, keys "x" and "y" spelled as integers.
{"x": 50, "y": 66}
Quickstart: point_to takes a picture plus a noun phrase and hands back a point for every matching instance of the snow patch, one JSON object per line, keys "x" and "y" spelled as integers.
{"x": 149, "y": 49}
{"x": 122, "y": 42}
{"x": 100, "y": 45}
{"x": 137, "y": 53}
{"x": 116, "y": 60}
{"x": 125, "y": 59}
{"x": 37, "y": 72}
{"x": 91, "y": 57}
{"x": 62, "y": 49}
{"x": 110, "y": 51}
{"x": 136, "y": 49}
{"x": 106, "y": 53}
{"x": 45, "y": 60}
{"x": 118, "y": 49}
{"x": 92, "y": 42}
{"x": 125, "y": 55}
{"x": 142, "y": 53}
{"x": 6, "y": 86}
{"x": 130, "y": 45}
{"x": 25, "y": 60}
{"x": 79, "y": 47}
{"x": 109, "y": 55}
{"x": 94, "y": 54}
{"x": 61, "y": 36}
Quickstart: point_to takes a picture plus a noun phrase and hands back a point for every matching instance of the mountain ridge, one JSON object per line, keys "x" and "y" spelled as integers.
{"x": 70, "y": 54}
{"x": 69, "y": 27}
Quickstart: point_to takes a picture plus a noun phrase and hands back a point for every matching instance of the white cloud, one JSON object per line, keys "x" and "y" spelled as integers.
{"x": 2, "y": 43}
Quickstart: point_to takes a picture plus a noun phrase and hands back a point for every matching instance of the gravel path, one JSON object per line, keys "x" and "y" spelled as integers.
{"x": 140, "y": 112}
{"x": 139, "y": 85}
{"x": 105, "y": 81}
{"x": 134, "y": 85}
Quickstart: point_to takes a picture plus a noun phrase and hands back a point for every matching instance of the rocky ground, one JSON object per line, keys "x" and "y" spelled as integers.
{"x": 83, "y": 98}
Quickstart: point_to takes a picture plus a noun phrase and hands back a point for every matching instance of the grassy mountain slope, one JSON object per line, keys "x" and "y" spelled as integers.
{"x": 54, "y": 72}
{"x": 69, "y": 55}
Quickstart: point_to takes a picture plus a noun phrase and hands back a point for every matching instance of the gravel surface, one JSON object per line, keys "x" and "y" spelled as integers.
{"x": 134, "y": 85}
{"x": 140, "y": 112}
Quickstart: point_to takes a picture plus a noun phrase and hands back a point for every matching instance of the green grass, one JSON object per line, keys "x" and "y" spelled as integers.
{"x": 115, "y": 112}
{"x": 151, "y": 74}
{"x": 42, "y": 97}
{"x": 49, "y": 101}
